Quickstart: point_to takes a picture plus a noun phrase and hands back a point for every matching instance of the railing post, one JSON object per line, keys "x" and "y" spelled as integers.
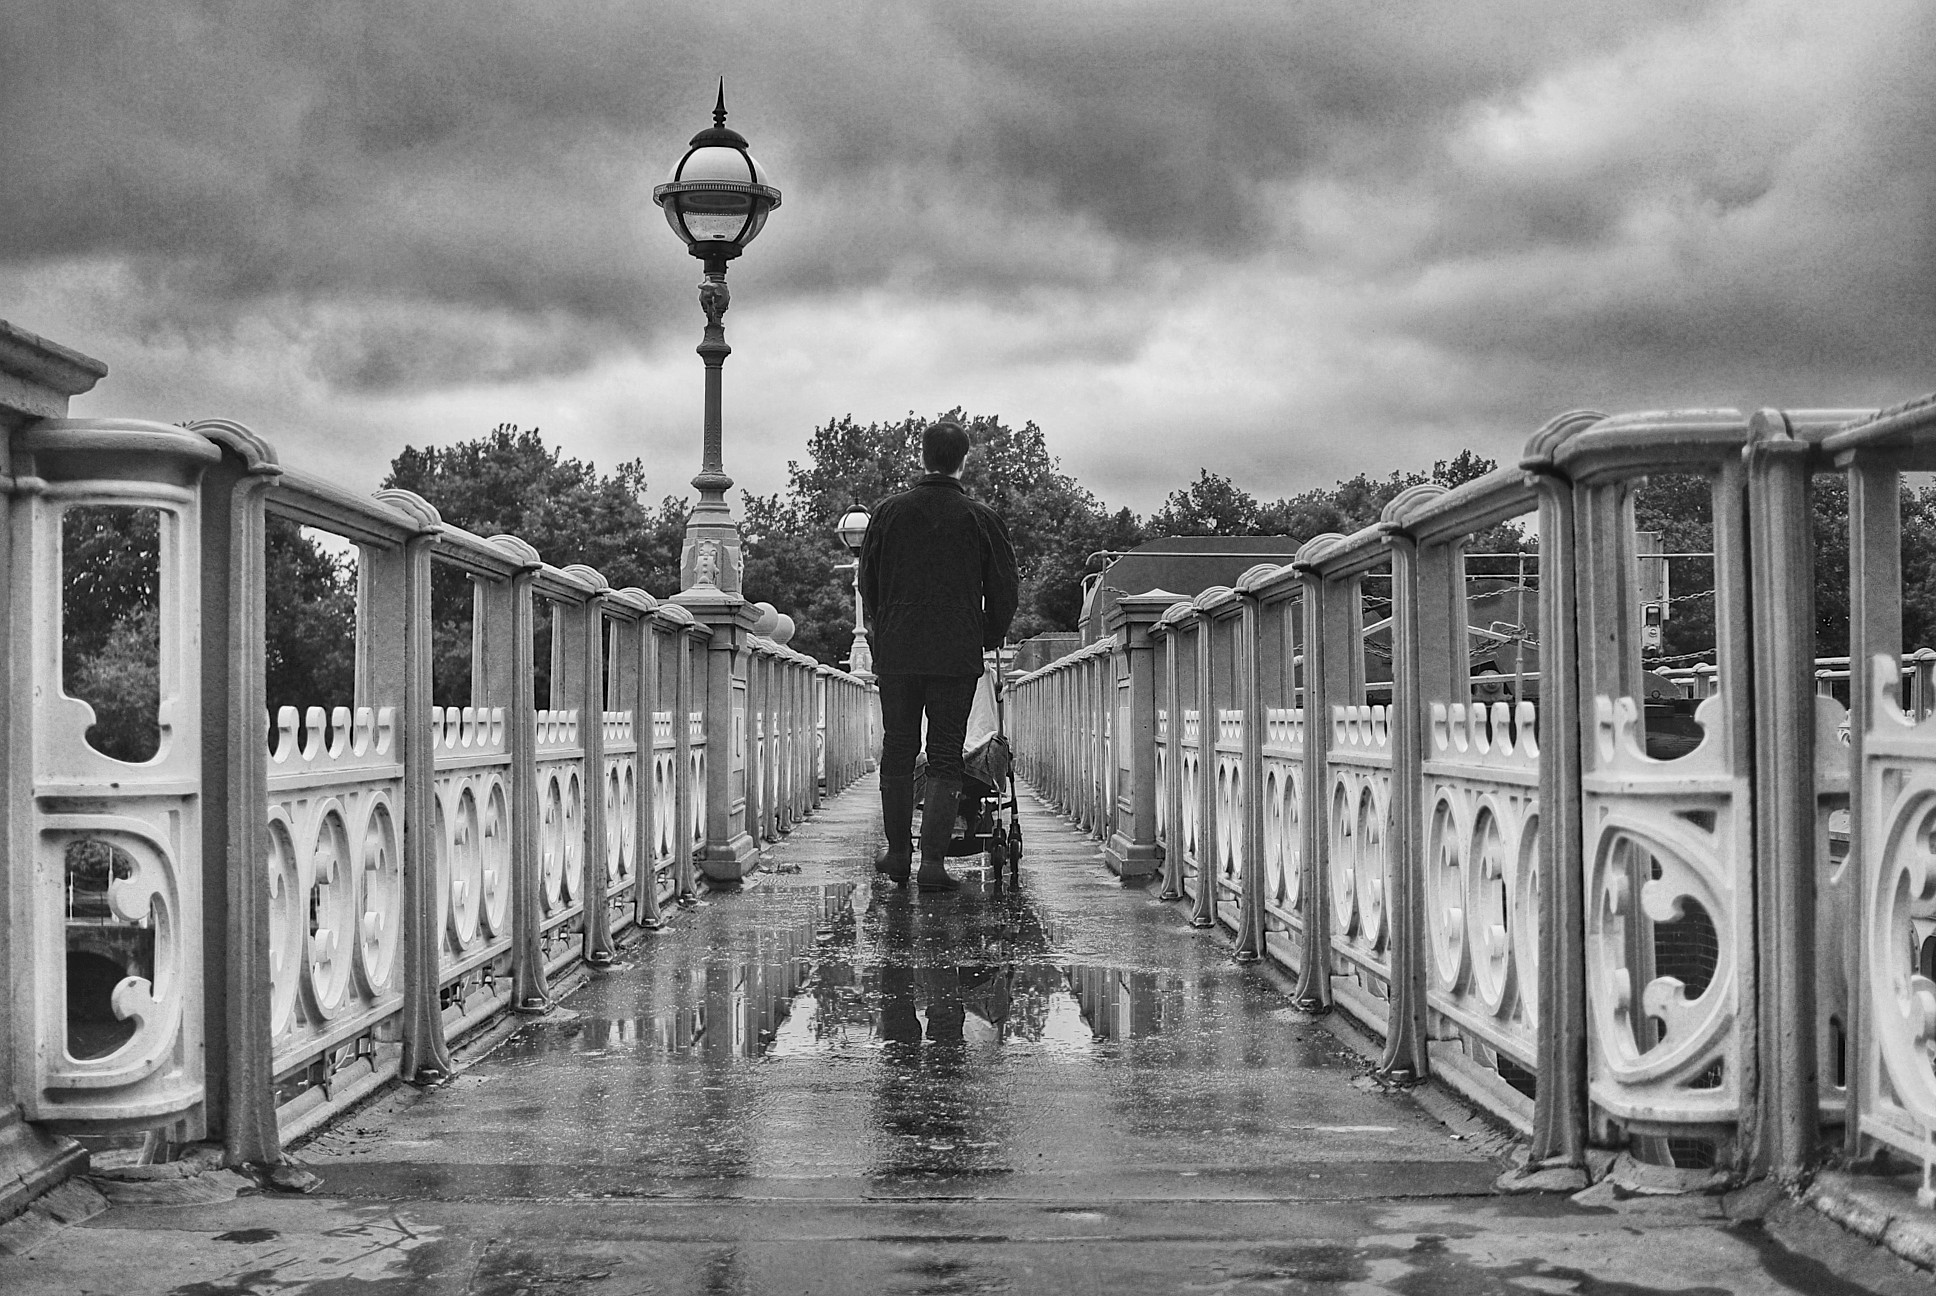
{"x": 1131, "y": 851}
{"x": 1875, "y": 631}
{"x": 729, "y": 852}
{"x": 1560, "y": 1107}
{"x": 1314, "y": 972}
{"x": 516, "y": 618}
{"x": 1203, "y": 913}
{"x": 578, "y": 628}
{"x": 1172, "y": 790}
{"x": 238, "y": 1029}
{"x": 1782, "y": 558}
{"x": 393, "y": 659}
{"x": 1416, "y": 619}
{"x": 637, "y": 687}
{"x": 1250, "y": 706}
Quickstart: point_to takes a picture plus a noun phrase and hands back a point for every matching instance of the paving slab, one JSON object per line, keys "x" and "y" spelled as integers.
{"x": 823, "y": 1083}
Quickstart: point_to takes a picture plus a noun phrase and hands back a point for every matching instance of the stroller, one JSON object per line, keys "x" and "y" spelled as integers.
{"x": 988, "y": 767}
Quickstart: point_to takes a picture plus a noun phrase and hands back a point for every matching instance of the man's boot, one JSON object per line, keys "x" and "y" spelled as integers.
{"x": 897, "y": 821}
{"x": 937, "y": 830}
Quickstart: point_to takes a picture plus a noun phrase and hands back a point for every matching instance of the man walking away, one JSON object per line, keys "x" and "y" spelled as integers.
{"x": 938, "y": 585}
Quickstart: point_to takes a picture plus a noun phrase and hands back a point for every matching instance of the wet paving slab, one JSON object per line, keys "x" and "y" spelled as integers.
{"x": 827, "y": 1084}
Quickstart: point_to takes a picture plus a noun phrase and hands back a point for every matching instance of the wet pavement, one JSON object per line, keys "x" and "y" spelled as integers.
{"x": 826, "y": 1084}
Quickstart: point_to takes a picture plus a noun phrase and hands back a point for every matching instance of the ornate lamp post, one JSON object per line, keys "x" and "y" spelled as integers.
{"x": 716, "y": 202}
{"x": 852, "y": 529}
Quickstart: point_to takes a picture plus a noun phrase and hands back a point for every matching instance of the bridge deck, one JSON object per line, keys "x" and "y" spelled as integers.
{"x": 821, "y": 1084}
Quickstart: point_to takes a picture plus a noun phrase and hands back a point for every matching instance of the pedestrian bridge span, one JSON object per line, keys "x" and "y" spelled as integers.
{"x": 1707, "y": 961}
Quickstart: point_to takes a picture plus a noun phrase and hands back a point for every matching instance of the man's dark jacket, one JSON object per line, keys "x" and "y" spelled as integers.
{"x": 937, "y": 580}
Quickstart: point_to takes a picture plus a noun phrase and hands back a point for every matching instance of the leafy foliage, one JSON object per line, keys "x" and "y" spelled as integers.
{"x": 1214, "y": 505}
{"x": 311, "y": 621}
{"x": 509, "y": 482}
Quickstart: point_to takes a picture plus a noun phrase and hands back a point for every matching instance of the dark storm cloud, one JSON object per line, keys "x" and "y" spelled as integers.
{"x": 498, "y": 153}
{"x": 1431, "y": 222}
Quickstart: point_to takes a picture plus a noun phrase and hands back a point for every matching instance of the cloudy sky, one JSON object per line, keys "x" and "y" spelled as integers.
{"x": 1284, "y": 241}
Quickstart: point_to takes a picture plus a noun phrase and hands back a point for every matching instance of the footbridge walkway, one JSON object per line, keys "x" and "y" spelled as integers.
{"x": 1675, "y": 928}
{"x": 823, "y": 1083}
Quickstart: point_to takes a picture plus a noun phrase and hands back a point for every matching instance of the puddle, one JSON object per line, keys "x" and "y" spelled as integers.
{"x": 807, "y": 974}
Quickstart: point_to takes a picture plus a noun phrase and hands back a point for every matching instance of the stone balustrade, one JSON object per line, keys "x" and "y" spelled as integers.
{"x": 237, "y": 935}
{"x": 1712, "y": 949}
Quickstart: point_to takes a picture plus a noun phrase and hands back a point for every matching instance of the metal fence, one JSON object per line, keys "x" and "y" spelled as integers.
{"x": 1711, "y": 946}
{"x": 263, "y": 918}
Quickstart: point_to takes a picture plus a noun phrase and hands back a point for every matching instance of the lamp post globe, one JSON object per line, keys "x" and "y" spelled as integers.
{"x": 716, "y": 200}
{"x": 852, "y": 530}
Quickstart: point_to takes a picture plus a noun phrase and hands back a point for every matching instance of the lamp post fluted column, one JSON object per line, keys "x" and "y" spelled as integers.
{"x": 711, "y": 553}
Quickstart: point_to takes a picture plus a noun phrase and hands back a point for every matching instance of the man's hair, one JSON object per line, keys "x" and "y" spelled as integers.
{"x": 943, "y": 446}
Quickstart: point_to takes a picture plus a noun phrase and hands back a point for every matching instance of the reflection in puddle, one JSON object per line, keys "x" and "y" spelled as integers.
{"x": 817, "y": 981}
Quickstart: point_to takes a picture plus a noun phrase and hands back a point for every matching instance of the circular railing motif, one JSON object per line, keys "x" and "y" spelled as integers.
{"x": 609, "y": 822}
{"x": 494, "y": 859}
{"x": 1373, "y": 866}
{"x": 664, "y": 820}
{"x": 1273, "y": 837}
{"x": 381, "y": 899}
{"x": 440, "y": 847}
{"x": 1162, "y": 795}
{"x": 625, "y": 858}
{"x": 574, "y": 838}
{"x": 332, "y": 911}
{"x": 1445, "y": 864}
{"x": 1292, "y": 811}
{"x": 466, "y": 867}
{"x": 696, "y": 828}
{"x": 1525, "y": 920}
{"x": 1903, "y": 993}
{"x": 1343, "y": 857}
{"x": 551, "y": 843}
{"x": 1192, "y": 792}
{"x": 286, "y": 921}
{"x": 1495, "y": 873}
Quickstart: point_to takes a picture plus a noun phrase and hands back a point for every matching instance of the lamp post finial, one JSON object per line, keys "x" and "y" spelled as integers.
{"x": 719, "y": 109}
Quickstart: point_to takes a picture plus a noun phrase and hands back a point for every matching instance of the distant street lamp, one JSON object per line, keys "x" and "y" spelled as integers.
{"x": 716, "y": 202}
{"x": 852, "y": 529}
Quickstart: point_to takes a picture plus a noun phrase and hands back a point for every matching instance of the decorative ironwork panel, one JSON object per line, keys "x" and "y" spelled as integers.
{"x": 1898, "y": 911}
{"x": 1666, "y": 850}
{"x": 1359, "y": 776}
{"x": 335, "y": 881}
{"x": 1481, "y": 884}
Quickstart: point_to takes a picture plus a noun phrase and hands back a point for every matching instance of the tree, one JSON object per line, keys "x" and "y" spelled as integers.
{"x": 1213, "y": 505}
{"x": 310, "y": 614}
{"x": 511, "y": 482}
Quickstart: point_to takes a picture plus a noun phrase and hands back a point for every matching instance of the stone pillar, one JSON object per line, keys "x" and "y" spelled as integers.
{"x": 235, "y": 776}
{"x": 578, "y": 638}
{"x": 1782, "y": 557}
{"x": 36, "y": 379}
{"x": 1132, "y": 851}
{"x": 1418, "y": 619}
{"x": 728, "y": 852}
{"x": 1314, "y": 972}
